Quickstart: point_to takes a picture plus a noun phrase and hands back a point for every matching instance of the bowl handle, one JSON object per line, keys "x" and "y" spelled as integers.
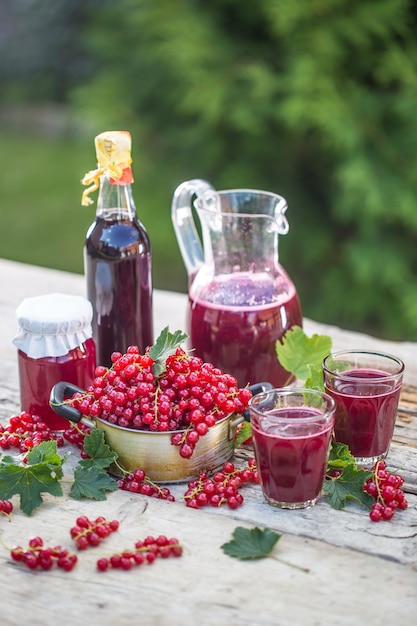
{"x": 255, "y": 389}
{"x": 245, "y": 416}
{"x": 59, "y": 393}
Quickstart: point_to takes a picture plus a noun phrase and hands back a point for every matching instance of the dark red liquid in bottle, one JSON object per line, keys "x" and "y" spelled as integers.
{"x": 118, "y": 271}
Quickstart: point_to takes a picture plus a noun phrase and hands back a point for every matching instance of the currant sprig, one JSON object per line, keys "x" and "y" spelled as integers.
{"x": 38, "y": 556}
{"x": 75, "y": 434}
{"x": 385, "y": 488}
{"x": 24, "y": 431}
{"x": 139, "y": 482}
{"x": 90, "y": 533}
{"x": 222, "y": 488}
{"x": 146, "y": 551}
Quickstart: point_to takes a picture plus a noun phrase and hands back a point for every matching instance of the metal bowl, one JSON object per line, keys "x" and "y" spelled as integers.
{"x": 153, "y": 451}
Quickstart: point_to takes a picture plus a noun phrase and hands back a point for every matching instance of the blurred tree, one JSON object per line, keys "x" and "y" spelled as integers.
{"x": 41, "y": 54}
{"x": 314, "y": 99}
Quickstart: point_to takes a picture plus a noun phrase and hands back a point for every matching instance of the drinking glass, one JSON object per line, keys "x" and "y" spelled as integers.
{"x": 292, "y": 431}
{"x": 366, "y": 387}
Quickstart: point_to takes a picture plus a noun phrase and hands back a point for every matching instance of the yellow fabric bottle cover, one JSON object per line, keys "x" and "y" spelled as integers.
{"x": 113, "y": 150}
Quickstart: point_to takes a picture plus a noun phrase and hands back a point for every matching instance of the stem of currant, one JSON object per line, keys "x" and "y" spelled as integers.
{"x": 299, "y": 567}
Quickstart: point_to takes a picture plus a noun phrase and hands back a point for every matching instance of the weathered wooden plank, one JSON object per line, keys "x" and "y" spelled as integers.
{"x": 204, "y": 586}
{"x": 405, "y": 432}
{"x": 348, "y": 528}
{"x": 352, "y": 561}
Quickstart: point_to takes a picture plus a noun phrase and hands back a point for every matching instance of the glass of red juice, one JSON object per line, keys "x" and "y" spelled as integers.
{"x": 366, "y": 387}
{"x": 292, "y": 431}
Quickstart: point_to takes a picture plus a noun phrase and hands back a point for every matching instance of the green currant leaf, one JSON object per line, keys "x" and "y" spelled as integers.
{"x": 7, "y": 459}
{"x": 297, "y": 352}
{"x": 90, "y": 478}
{"x": 164, "y": 346}
{"x": 251, "y": 543}
{"x": 101, "y": 455}
{"x": 41, "y": 474}
{"x": 348, "y": 486}
{"x": 243, "y": 433}
{"x": 29, "y": 483}
{"x": 46, "y": 452}
{"x": 315, "y": 378}
{"x": 340, "y": 456}
{"x": 92, "y": 482}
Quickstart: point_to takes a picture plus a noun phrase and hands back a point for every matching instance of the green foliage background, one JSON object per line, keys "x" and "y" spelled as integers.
{"x": 312, "y": 99}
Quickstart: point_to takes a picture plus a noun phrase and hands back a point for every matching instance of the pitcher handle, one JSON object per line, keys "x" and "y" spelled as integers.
{"x": 182, "y": 217}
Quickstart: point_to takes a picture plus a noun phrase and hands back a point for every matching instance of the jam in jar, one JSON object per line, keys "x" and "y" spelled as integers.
{"x": 54, "y": 344}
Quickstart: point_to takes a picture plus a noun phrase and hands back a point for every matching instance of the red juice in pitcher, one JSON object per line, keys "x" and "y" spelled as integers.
{"x": 235, "y": 321}
{"x": 365, "y": 411}
{"x": 292, "y": 459}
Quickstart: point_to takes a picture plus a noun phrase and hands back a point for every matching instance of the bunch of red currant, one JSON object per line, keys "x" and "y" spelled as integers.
{"x": 188, "y": 396}
{"x": 138, "y": 482}
{"x": 222, "y": 488}
{"x": 385, "y": 488}
{"x": 145, "y": 551}
{"x": 75, "y": 434}
{"x": 90, "y": 533}
{"x": 38, "y": 556}
{"x": 25, "y": 431}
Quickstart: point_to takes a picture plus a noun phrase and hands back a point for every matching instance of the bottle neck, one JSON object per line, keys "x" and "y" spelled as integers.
{"x": 115, "y": 200}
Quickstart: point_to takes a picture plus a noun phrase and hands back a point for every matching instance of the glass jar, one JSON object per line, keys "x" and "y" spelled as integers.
{"x": 55, "y": 344}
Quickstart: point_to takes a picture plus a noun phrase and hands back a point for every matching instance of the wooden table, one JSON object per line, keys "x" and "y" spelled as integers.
{"x": 360, "y": 572}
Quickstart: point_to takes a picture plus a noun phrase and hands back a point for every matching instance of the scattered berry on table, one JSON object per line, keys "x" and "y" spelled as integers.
{"x": 385, "y": 488}
{"x": 90, "y": 533}
{"x": 143, "y": 552}
{"x": 6, "y": 507}
{"x": 222, "y": 488}
{"x": 38, "y": 556}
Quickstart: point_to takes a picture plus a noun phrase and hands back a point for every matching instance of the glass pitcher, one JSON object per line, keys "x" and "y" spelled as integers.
{"x": 241, "y": 300}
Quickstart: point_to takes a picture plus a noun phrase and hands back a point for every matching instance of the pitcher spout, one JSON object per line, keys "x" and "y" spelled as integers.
{"x": 249, "y": 203}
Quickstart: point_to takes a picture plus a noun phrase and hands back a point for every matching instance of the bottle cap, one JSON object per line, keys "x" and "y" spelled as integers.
{"x": 113, "y": 150}
{"x": 53, "y": 324}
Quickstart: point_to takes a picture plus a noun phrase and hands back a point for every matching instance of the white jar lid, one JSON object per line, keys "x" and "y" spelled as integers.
{"x": 53, "y": 324}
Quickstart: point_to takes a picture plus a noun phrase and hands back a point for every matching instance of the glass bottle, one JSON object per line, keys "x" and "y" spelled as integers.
{"x": 117, "y": 254}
